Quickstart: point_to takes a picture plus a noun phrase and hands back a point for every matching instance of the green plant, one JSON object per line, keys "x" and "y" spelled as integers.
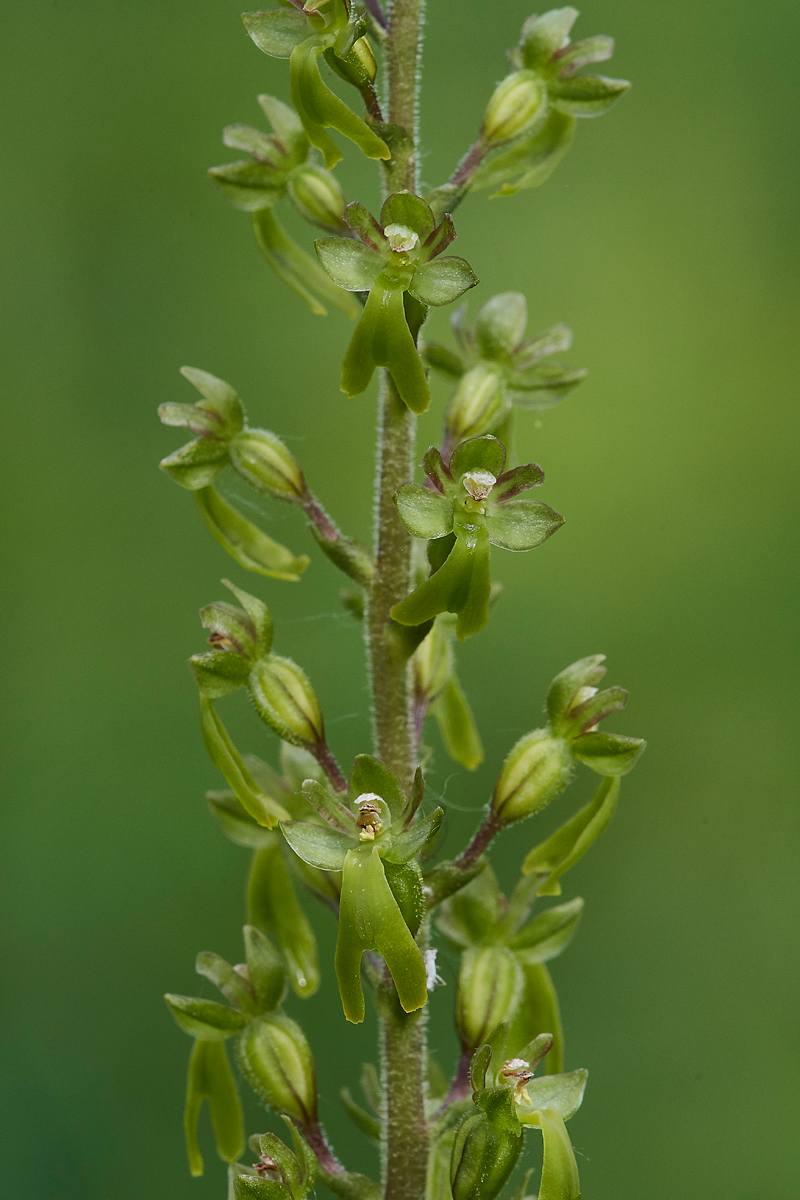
{"x": 364, "y": 843}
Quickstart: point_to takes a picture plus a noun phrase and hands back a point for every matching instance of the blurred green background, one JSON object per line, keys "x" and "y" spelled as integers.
{"x": 668, "y": 240}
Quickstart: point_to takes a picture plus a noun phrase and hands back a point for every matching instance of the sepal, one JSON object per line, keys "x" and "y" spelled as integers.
{"x": 205, "y": 1020}
{"x": 547, "y": 935}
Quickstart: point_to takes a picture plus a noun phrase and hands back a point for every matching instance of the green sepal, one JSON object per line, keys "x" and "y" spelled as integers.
{"x": 318, "y": 845}
{"x": 424, "y": 513}
{"x": 329, "y": 806}
{"x": 382, "y": 339}
{"x": 245, "y": 542}
{"x": 559, "y": 1170}
{"x": 253, "y": 141}
{"x": 265, "y": 968}
{"x": 581, "y": 717}
{"x": 237, "y": 990}
{"x": 608, "y": 753}
{"x": 529, "y": 162}
{"x": 197, "y": 464}
{"x": 277, "y": 31}
{"x": 288, "y": 127}
{"x": 227, "y": 759}
{"x": 561, "y": 1093}
{"x": 538, "y": 1013}
{"x": 404, "y": 208}
{"x": 479, "y": 1066}
{"x": 369, "y": 774}
{"x": 369, "y": 919}
{"x": 258, "y": 613}
{"x": 253, "y": 1187}
{"x": 276, "y": 1060}
{"x": 273, "y": 907}
{"x": 500, "y": 324}
{"x": 543, "y": 385}
{"x": 247, "y": 631}
{"x": 554, "y": 857}
{"x": 587, "y": 95}
{"x": 549, "y": 934}
{"x": 442, "y": 281}
{"x": 219, "y": 413}
{"x": 405, "y": 881}
{"x": 584, "y": 673}
{"x": 470, "y": 914}
{"x": 518, "y": 479}
{"x": 484, "y": 453}
{"x": 521, "y": 524}
{"x": 543, "y": 36}
{"x": 418, "y": 839}
{"x": 351, "y": 265}
{"x": 205, "y": 1020}
{"x": 319, "y": 108}
{"x": 369, "y": 1125}
{"x": 296, "y": 268}
{"x": 219, "y": 672}
{"x": 250, "y": 185}
{"x": 210, "y": 1078}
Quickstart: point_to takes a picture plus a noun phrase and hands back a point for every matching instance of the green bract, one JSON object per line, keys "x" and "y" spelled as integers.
{"x": 473, "y": 502}
{"x": 373, "y": 843}
{"x": 279, "y": 690}
{"x": 498, "y": 368}
{"x": 530, "y": 118}
{"x": 302, "y": 36}
{"x": 282, "y": 164}
{"x": 393, "y": 257}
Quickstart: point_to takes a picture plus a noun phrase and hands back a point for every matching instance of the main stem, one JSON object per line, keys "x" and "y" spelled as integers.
{"x": 404, "y": 1150}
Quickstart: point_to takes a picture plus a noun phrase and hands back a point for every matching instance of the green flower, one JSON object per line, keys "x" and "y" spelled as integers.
{"x": 322, "y": 27}
{"x": 530, "y": 119}
{"x": 498, "y": 368}
{"x": 393, "y": 257}
{"x": 508, "y": 1099}
{"x": 373, "y": 841}
{"x": 282, "y": 164}
{"x": 472, "y": 503}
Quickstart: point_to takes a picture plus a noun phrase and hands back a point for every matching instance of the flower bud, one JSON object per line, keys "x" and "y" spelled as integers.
{"x": 513, "y": 105}
{"x": 489, "y": 986}
{"x": 476, "y": 404}
{"x": 535, "y": 771}
{"x": 318, "y": 198}
{"x": 276, "y": 1060}
{"x": 285, "y": 699}
{"x": 265, "y": 463}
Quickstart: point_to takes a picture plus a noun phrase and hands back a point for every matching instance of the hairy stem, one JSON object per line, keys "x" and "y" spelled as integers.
{"x": 404, "y": 1148}
{"x": 403, "y": 1058}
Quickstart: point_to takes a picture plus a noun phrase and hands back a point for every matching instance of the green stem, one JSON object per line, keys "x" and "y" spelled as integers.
{"x": 403, "y": 1058}
{"x": 404, "y": 1148}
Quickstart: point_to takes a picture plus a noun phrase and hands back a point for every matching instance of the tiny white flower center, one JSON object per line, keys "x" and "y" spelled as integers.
{"x": 401, "y": 238}
{"x": 368, "y": 821}
{"x": 479, "y": 483}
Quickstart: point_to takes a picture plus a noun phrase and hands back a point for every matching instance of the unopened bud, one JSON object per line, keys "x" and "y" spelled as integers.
{"x": 476, "y": 404}
{"x": 266, "y": 464}
{"x": 536, "y": 770}
{"x": 285, "y": 699}
{"x": 318, "y": 198}
{"x": 276, "y": 1060}
{"x": 514, "y": 104}
{"x": 489, "y": 986}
